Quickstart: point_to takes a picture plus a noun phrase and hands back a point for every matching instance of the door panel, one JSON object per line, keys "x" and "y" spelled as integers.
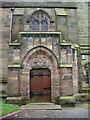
{"x": 40, "y": 85}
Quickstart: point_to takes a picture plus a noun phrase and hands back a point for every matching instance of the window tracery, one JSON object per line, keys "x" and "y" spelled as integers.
{"x": 39, "y": 21}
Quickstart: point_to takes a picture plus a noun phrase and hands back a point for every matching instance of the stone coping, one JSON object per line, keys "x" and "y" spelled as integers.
{"x": 42, "y": 3}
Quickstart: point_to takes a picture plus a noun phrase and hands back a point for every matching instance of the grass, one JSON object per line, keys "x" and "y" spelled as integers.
{"x": 86, "y": 107}
{"x": 7, "y": 108}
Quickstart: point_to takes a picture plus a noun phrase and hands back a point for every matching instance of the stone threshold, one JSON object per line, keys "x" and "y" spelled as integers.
{"x": 41, "y": 106}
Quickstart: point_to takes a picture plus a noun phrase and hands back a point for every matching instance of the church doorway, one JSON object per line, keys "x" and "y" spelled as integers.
{"x": 40, "y": 85}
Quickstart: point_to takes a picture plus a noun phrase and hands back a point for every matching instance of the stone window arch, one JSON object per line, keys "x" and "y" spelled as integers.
{"x": 39, "y": 21}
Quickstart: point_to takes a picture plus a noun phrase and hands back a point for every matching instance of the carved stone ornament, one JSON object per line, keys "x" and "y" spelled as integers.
{"x": 40, "y": 61}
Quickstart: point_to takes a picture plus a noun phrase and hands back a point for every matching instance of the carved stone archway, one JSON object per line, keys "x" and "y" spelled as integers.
{"x": 43, "y": 58}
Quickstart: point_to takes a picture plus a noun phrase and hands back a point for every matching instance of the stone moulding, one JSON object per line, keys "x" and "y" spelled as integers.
{"x": 73, "y": 46}
{"x": 85, "y": 53}
{"x": 85, "y": 47}
{"x": 19, "y": 11}
{"x": 42, "y": 33}
{"x": 66, "y": 44}
{"x": 23, "y": 4}
{"x": 66, "y": 65}
{"x": 41, "y": 47}
{"x": 27, "y": 32}
{"x": 3, "y": 81}
{"x": 14, "y": 44}
{"x": 14, "y": 66}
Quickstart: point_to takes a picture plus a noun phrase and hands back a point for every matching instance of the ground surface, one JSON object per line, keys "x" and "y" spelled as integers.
{"x": 67, "y": 112}
{"x": 7, "y": 108}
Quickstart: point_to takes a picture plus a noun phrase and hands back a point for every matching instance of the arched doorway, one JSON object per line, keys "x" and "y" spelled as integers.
{"x": 44, "y": 60}
{"x": 40, "y": 85}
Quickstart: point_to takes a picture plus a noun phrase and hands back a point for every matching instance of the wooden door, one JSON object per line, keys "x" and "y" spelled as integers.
{"x": 40, "y": 85}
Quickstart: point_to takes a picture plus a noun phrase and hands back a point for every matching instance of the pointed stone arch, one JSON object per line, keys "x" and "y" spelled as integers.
{"x": 36, "y": 11}
{"x": 39, "y": 20}
{"x": 50, "y": 62}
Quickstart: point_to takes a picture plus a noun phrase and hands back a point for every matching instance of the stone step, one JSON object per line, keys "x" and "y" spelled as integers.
{"x": 41, "y": 106}
{"x": 42, "y": 103}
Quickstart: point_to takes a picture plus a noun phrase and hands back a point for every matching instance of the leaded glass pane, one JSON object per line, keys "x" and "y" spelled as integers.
{"x": 35, "y": 26}
{"x": 44, "y": 26}
{"x": 39, "y": 22}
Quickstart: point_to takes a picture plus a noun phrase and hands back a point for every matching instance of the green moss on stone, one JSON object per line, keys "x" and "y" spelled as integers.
{"x": 66, "y": 44}
{"x": 14, "y": 66}
{"x": 66, "y": 65}
{"x": 13, "y": 98}
{"x": 16, "y": 61}
{"x": 19, "y": 11}
{"x": 86, "y": 88}
{"x": 14, "y": 44}
{"x": 82, "y": 97}
{"x": 67, "y": 101}
{"x": 76, "y": 45}
{"x": 67, "y": 97}
{"x": 81, "y": 94}
{"x": 60, "y": 11}
{"x": 86, "y": 48}
{"x": 64, "y": 41}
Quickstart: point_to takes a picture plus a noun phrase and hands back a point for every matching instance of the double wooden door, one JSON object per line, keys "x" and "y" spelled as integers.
{"x": 40, "y": 85}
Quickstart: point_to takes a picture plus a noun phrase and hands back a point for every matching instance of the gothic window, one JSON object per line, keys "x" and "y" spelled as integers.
{"x": 39, "y": 21}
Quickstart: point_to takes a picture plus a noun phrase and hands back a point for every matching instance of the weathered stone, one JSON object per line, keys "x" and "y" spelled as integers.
{"x": 52, "y": 48}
